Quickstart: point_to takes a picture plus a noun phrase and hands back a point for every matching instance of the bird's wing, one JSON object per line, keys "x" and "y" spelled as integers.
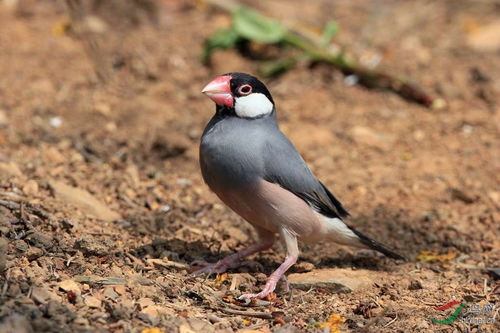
{"x": 284, "y": 166}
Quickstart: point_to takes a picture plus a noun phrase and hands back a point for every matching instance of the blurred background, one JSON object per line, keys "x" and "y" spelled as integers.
{"x": 100, "y": 119}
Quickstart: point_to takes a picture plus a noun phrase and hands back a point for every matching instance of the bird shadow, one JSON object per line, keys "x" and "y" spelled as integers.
{"x": 394, "y": 229}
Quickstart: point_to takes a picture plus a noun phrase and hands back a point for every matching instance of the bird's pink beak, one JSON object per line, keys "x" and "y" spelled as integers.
{"x": 219, "y": 91}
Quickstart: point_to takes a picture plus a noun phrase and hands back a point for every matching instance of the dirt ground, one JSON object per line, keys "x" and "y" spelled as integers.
{"x": 103, "y": 208}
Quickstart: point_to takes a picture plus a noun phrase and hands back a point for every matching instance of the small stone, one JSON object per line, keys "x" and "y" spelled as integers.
{"x": 3, "y": 253}
{"x": 186, "y": 329}
{"x": 70, "y": 285}
{"x": 9, "y": 169}
{"x": 303, "y": 267}
{"x": 120, "y": 289}
{"x": 67, "y": 224}
{"x": 366, "y": 136}
{"x": 55, "y": 122}
{"x": 94, "y": 24}
{"x": 42, "y": 295}
{"x": 190, "y": 325}
{"x": 335, "y": 280}
{"x": 85, "y": 201}
{"x": 183, "y": 182}
{"x": 103, "y": 109}
{"x": 110, "y": 126}
{"x": 495, "y": 197}
{"x": 16, "y": 274}
{"x": 80, "y": 321}
{"x": 3, "y": 118}
{"x": 30, "y": 188}
{"x": 94, "y": 247}
{"x": 150, "y": 315}
{"x": 21, "y": 245}
{"x": 143, "y": 281}
{"x": 40, "y": 239}
{"x": 415, "y": 285}
{"x": 92, "y": 302}
{"x": 34, "y": 253}
{"x": 485, "y": 38}
{"x": 53, "y": 156}
{"x": 287, "y": 328}
{"x": 15, "y": 323}
{"x": 145, "y": 302}
{"x": 110, "y": 293}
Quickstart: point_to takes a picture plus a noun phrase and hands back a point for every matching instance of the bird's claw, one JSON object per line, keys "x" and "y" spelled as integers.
{"x": 268, "y": 289}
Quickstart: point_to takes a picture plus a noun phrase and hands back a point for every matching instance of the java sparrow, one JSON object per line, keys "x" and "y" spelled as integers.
{"x": 256, "y": 171}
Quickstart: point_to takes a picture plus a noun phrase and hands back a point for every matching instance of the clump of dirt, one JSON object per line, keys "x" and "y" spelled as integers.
{"x": 103, "y": 209}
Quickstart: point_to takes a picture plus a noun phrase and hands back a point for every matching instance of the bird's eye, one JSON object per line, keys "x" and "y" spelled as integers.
{"x": 245, "y": 89}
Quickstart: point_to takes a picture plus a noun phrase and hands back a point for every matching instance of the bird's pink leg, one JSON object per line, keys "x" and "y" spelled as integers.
{"x": 292, "y": 254}
{"x": 266, "y": 241}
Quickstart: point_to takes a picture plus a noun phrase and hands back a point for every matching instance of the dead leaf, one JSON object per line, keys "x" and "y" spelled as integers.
{"x": 432, "y": 256}
{"x": 152, "y": 330}
{"x": 219, "y": 280}
{"x": 333, "y": 322}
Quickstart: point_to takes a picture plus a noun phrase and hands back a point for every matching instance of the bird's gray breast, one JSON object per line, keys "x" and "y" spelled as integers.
{"x": 231, "y": 153}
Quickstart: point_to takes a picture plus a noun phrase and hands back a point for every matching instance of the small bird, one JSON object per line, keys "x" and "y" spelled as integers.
{"x": 257, "y": 172}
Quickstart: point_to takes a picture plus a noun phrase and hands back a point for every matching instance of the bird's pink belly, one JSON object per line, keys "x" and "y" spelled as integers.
{"x": 269, "y": 206}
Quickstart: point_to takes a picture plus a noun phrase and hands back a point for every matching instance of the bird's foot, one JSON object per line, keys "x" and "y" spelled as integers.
{"x": 268, "y": 289}
{"x": 210, "y": 268}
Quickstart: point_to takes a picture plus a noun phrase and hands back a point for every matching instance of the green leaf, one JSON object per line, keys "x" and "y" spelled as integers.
{"x": 222, "y": 39}
{"x": 277, "y": 67}
{"x": 256, "y": 27}
{"x": 331, "y": 29}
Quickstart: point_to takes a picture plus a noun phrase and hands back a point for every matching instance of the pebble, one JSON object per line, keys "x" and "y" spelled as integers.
{"x": 110, "y": 293}
{"x": 366, "y": 136}
{"x": 55, "y": 122}
{"x": 21, "y": 245}
{"x": 303, "y": 267}
{"x": 70, "y": 285}
{"x": 92, "y": 302}
{"x": 150, "y": 315}
{"x": 3, "y": 253}
{"x": 85, "y": 201}
{"x": 42, "y": 295}
{"x": 53, "y": 156}
{"x": 16, "y": 323}
{"x": 415, "y": 285}
{"x": 30, "y": 188}
{"x": 335, "y": 280}
{"x": 485, "y": 38}
{"x": 40, "y": 239}
{"x": 120, "y": 289}
{"x": 145, "y": 302}
{"x": 9, "y": 169}
{"x": 34, "y": 253}
{"x": 3, "y": 118}
{"x": 95, "y": 247}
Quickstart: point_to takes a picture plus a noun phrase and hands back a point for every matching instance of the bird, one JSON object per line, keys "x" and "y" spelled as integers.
{"x": 248, "y": 162}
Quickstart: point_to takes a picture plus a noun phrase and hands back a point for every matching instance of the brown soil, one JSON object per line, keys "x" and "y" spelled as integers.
{"x": 413, "y": 178}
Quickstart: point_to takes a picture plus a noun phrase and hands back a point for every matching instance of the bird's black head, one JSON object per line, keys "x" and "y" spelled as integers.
{"x": 242, "y": 93}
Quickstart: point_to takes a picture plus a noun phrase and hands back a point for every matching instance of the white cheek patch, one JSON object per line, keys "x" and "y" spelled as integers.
{"x": 253, "y": 105}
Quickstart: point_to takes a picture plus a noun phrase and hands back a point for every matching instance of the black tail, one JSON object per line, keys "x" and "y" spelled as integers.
{"x": 377, "y": 246}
